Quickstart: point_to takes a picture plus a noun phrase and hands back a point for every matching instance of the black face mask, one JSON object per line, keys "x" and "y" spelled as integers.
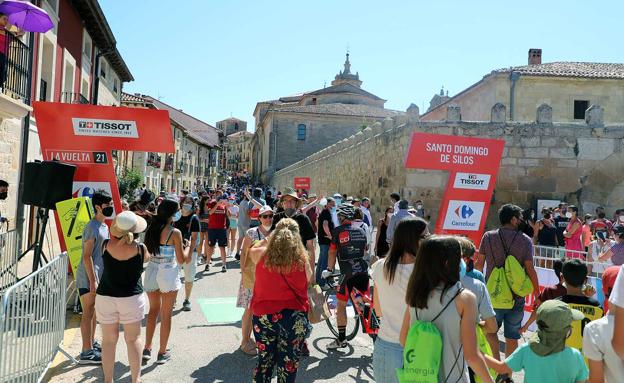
{"x": 4, "y": 195}
{"x": 107, "y": 211}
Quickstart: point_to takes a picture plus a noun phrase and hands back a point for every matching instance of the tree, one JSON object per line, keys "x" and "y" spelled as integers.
{"x": 128, "y": 182}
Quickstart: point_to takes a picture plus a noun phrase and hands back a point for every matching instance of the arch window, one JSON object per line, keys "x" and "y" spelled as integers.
{"x": 301, "y": 132}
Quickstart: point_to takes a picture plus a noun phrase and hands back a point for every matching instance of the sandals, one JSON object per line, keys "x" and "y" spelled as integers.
{"x": 249, "y": 348}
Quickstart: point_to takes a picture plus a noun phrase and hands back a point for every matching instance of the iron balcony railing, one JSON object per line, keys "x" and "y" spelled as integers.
{"x": 73, "y": 98}
{"x": 14, "y": 72}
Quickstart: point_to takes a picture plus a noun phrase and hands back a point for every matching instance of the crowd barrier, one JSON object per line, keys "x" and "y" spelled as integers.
{"x": 32, "y": 322}
{"x": 545, "y": 256}
{"x": 8, "y": 259}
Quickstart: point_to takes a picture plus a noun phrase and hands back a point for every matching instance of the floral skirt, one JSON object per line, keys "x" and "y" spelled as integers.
{"x": 279, "y": 338}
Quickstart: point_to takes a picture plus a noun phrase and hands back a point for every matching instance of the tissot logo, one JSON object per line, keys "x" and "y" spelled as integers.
{"x": 472, "y": 181}
{"x": 105, "y": 128}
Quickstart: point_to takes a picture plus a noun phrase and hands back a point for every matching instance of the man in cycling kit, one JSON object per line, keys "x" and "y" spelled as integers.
{"x": 348, "y": 245}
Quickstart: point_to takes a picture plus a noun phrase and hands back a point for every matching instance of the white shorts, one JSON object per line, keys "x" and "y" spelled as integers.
{"x": 163, "y": 277}
{"x": 126, "y": 310}
{"x": 190, "y": 269}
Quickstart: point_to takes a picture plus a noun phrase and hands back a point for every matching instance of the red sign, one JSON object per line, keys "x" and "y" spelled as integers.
{"x": 86, "y": 135}
{"x": 473, "y": 164}
{"x": 302, "y": 183}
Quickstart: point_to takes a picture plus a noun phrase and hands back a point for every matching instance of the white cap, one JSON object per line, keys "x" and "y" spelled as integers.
{"x": 265, "y": 209}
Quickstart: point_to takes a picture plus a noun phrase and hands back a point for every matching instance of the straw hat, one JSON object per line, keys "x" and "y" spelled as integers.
{"x": 127, "y": 222}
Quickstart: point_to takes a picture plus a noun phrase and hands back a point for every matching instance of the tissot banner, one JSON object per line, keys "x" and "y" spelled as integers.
{"x": 87, "y": 135}
{"x": 473, "y": 164}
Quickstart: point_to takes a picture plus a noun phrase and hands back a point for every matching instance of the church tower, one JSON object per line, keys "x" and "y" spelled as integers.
{"x": 345, "y": 76}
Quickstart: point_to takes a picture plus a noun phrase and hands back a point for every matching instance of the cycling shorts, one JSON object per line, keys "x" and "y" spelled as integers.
{"x": 359, "y": 281}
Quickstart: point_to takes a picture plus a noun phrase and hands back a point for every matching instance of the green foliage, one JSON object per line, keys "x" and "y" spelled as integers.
{"x": 128, "y": 182}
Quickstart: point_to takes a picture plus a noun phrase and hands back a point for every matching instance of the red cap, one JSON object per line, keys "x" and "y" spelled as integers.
{"x": 608, "y": 281}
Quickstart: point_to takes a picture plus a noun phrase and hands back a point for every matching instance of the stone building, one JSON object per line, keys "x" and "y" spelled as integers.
{"x": 232, "y": 125}
{"x": 568, "y": 87}
{"x": 576, "y": 162}
{"x": 193, "y": 166}
{"x": 237, "y": 152}
{"x": 291, "y": 128}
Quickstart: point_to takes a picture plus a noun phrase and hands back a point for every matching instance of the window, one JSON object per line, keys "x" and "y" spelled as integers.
{"x": 301, "y": 132}
{"x": 236, "y": 126}
{"x": 580, "y": 106}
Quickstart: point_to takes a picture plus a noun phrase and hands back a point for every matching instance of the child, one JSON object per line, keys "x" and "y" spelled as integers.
{"x": 604, "y": 364}
{"x": 545, "y": 358}
{"x": 574, "y": 274}
{"x": 550, "y": 292}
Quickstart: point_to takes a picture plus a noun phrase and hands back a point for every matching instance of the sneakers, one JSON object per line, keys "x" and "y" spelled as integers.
{"x": 336, "y": 344}
{"x": 90, "y": 357}
{"x": 223, "y": 269}
{"x": 163, "y": 358}
{"x": 207, "y": 266}
{"x": 147, "y": 355}
{"x": 97, "y": 346}
{"x": 186, "y": 305}
{"x": 237, "y": 256}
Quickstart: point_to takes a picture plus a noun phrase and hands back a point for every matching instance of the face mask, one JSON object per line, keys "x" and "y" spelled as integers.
{"x": 107, "y": 211}
{"x": 4, "y": 195}
{"x": 187, "y": 207}
{"x": 462, "y": 269}
{"x": 333, "y": 209}
{"x": 338, "y": 201}
{"x": 568, "y": 215}
{"x": 622, "y": 218}
{"x": 266, "y": 228}
{"x": 532, "y": 215}
{"x": 176, "y": 217}
{"x": 389, "y": 216}
{"x": 419, "y": 207}
{"x": 289, "y": 212}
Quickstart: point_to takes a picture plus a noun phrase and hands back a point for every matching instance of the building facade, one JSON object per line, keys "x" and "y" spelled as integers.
{"x": 232, "y": 125}
{"x": 237, "y": 152}
{"x": 75, "y": 62}
{"x": 568, "y": 87}
{"x": 193, "y": 166}
{"x": 291, "y": 128}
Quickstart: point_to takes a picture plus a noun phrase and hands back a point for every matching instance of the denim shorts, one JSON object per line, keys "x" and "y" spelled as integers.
{"x": 511, "y": 319}
{"x": 387, "y": 357}
{"x": 163, "y": 277}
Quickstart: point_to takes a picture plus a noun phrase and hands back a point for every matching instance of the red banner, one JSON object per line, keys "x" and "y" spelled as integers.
{"x": 473, "y": 164}
{"x": 302, "y": 183}
{"x": 86, "y": 135}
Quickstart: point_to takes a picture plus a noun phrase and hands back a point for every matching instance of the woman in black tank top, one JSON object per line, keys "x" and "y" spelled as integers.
{"x": 120, "y": 298}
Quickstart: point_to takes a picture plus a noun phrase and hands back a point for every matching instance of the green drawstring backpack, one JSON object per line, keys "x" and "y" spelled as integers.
{"x": 423, "y": 351}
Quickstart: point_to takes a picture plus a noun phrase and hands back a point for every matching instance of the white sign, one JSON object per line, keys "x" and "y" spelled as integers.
{"x": 104, "y": 128}
{"x": 87, "y": 189}
{"x": 463, "y": 215}
{"x": 472, "y": 181}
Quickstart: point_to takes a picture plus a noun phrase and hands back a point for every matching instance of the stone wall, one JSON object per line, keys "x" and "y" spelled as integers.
{"x": 581, "y": 163}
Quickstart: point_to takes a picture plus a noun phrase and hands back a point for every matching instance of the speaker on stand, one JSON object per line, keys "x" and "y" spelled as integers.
{"x": 45, "y": 184}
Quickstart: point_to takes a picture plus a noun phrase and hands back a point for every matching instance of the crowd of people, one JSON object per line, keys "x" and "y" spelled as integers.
{"x": 441, "y": 300}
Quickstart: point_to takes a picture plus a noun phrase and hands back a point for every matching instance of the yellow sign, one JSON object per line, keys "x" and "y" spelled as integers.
{"x": 74, "y": 214}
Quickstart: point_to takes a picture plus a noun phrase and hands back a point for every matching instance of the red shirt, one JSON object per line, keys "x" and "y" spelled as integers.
{"x": 274, "y": 292}
{"x": 217, "y": 219}
{"x": 3, "y": 41}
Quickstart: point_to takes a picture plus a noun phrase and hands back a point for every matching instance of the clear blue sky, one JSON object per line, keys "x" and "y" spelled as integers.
{"x": 213, "y": 58}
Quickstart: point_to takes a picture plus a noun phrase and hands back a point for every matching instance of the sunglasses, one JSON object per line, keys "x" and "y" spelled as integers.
{"x": 267, "y": 216}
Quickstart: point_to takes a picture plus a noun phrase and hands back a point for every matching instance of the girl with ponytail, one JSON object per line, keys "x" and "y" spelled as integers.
{"x": 162, "y": 283}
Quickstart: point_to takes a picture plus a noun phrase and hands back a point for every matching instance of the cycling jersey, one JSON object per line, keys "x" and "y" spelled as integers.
{"x": 350, "y": 245}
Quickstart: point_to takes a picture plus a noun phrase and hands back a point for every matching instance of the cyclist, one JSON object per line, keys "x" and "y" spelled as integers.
{"x": 348, "y": 246}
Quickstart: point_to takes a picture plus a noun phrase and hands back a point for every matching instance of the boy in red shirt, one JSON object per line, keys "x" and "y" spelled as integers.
{"x": 217, "y": 230}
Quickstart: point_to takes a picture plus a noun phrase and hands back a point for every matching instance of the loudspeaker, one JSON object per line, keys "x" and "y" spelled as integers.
{"x": 48, "y": 182}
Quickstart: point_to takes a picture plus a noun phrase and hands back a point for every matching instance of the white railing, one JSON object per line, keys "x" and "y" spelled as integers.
{"x": 545, "y": 257}
{"x": 32, "y": 322}
{"x": 8, "y": 259}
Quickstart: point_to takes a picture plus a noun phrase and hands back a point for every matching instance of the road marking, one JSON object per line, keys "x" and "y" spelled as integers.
{"x": 220, "y": 310}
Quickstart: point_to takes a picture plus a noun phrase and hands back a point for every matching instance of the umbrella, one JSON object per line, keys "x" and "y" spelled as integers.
{"x": 26, "y": 16}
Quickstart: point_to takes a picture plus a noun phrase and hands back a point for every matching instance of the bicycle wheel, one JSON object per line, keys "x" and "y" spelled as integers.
{"x": 353, "y": 321}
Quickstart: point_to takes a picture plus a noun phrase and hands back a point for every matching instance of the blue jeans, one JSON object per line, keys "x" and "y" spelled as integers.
{"x": 511, "y": 319}
{"x": 387, "y": 357}
{"x": 321, "y": 265}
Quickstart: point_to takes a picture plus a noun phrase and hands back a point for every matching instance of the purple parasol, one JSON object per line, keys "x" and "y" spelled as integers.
{"x": 26, "y": 16}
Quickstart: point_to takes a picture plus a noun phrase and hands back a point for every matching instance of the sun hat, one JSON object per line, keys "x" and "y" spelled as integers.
{"x": 127, "y": 222}
{"x": 554, "y": 320}
{"x": 290, "y": 192}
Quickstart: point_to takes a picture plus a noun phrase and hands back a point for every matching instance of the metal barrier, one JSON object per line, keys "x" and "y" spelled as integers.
{"x": 545, "y": 256}
{"x": 8, "y": 259}
{"x": 32, "y": 322}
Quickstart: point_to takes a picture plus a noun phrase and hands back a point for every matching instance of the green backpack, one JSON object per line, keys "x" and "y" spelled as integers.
{"x": 423, "y": 351}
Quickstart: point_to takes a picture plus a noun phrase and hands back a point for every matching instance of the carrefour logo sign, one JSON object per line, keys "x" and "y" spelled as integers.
{"x": 104, "y": 128}
{"x": 472, "y": 181}
{"x": 463, "y": 215}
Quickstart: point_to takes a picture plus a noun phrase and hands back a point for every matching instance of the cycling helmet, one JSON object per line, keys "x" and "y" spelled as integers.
{"x": 346, "y": 210}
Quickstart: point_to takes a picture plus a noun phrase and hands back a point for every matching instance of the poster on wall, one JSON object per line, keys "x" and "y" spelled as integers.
{"x": 302, "y": 183}
{"x": 87, "y": 136}
{"x": 473, "y": 164}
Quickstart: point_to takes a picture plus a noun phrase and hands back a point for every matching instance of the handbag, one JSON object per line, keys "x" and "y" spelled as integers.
{"x": 318, "y": 310}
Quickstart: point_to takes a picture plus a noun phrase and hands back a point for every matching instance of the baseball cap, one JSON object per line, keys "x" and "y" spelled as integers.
{"x": 554, "y": 319}
{"x": 608, "y": 281}
{"x": 403, "y": 204}
{"x": 337, "y": 195}
{"x": 127, "y": 222}
{"x": 265, "y": 209}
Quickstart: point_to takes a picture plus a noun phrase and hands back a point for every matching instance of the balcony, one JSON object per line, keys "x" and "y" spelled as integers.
{"x": 154, "y": 160}
{"x": 73, "y": 98}
{"x": 14, "y": 81}
{"x": 169, "y": 164}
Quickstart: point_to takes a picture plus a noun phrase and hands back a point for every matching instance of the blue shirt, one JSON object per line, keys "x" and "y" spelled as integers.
{"x": 476, "y": 274}
{"x": 394, "y": 221}
{"x": 567, "y": 366}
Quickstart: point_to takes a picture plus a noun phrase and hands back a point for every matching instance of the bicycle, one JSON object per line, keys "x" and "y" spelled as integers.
{"x": 362, "y": 303}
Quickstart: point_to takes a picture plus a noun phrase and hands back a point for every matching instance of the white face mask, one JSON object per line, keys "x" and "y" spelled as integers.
{"x": 419, "y": 207}
{"x": 622, "y": 218}
{"x": 568, "y": 215}
{"x": 266, "y": 228}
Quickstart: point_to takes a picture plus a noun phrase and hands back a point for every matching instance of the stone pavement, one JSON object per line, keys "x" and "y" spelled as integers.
{"x": 204, "y": 344}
